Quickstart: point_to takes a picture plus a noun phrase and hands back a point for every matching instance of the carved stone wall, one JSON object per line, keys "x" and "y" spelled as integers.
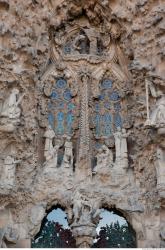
{"x": 82, "y": 116}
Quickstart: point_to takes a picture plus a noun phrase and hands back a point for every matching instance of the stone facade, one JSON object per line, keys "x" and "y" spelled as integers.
{"x": 82, "y": 116}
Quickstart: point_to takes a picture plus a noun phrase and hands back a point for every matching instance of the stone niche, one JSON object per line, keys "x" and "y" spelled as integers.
{"x": 82, "y": 119}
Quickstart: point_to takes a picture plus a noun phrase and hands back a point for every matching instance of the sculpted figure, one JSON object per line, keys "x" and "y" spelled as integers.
{"x": 36, "y": 215}
{"x": 79, "y": 207}
{"x": 121, "y": 143}
{"x": 8, "y": 235}
{"x": 158, "y": 115}
{"x": 49, "y": 149}
{"x": 10, "y": 107}
{"x": 68, "y": 155}
{"x": 160, "y": 167}
{"x": 80, "y": 43}
{"x": 8, "y": 175}
{"x": 104, "y": 157}
{"x": 104, "y": 160}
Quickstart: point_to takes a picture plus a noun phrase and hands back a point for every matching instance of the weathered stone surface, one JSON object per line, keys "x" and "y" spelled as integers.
{"x": 118, "y": 40}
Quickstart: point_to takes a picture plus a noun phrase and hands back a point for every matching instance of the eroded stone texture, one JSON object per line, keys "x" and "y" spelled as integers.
{"x": 82, "y": 118}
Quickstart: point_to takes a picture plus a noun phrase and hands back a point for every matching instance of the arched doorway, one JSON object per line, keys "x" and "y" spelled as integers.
{"x": 114, "y": 231}
{"x": 55, "y": 231}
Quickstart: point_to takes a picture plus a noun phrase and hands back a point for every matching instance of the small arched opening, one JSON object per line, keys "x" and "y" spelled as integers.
{"x": 114, "y": 231}
{"x": 55, "y": 231}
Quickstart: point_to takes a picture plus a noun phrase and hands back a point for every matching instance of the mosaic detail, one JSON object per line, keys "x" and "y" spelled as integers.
{"x": 107, "y": 110}
{"x": 61, "y": 108}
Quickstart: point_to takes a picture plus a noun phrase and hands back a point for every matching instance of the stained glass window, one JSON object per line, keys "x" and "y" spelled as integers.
{"x": 61, "y": 108}
{"x": 107, "y": 115}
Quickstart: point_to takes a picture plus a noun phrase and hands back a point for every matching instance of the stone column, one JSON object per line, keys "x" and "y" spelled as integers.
{"x": 84, "y": 156}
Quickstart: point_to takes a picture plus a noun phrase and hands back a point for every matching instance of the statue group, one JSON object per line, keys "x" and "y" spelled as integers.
{"x": 105, "y": 155}
{"x": 52, "y": 146}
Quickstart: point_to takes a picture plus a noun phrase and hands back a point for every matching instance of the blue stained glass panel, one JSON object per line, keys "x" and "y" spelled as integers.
{"x": 117, "y": 120}
{"x": 71, "y": 106}
{"x": 107, "y": 124}
{"x": 114, "y": 96}
{"x": 61, "y": 83}
{"x": 51, "y": 120}
{"x": 50, "y": 105}
{"x": 67, "y": 95}
{"x": 101, "y": 97}
{"x": 106, "y": 84}
{"x": 97, "y": 107}
{"x": 97, "y": 124}
{"x": 60, "y": 122}
{"x": 61, "y": 105}
{"x": 54, "y": 95}
{"x": 70, "y": 119}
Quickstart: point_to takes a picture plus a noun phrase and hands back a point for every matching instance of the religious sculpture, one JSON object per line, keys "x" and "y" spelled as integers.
{"x": 85, "y": 210}
{"x": 8, "y": 236}
{"x": 158, "y": 115}
{"x": 10, "y": 107}
{"x": 77, "y": 206}
{"x": 160, "y": 168}
{"x": 121, "y": 146}
{"x": 104, "y": 159}
{"x": 52, "y": 145}
{"x": 156, "y": 118}
{"x": 68, "y": 154}
{"x": 8, "y": 172}
{"x": 86, "y": 214}
{"x": 10, "y": 112}
{"x": 36, "y": 215}
{"x": 49, "y": 148}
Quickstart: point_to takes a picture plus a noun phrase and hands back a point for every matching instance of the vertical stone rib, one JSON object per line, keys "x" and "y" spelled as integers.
{"x": 84, "y": 147}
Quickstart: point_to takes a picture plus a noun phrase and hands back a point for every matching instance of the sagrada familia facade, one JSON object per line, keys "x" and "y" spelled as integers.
{"x": 82, "y": 116}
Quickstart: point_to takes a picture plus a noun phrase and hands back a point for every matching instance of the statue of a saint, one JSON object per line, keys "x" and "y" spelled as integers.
{"x": 68, "y": 155}
{"x": 158, "y": 115}
{"x": 80, "y": 43}
{"x": 49, "y": 148}
{"x": 104, "y": 156}
{"x": 10, "y": 107}
{"x": 160, "y": 167}
{"x": 104, "y": 159}
{"x": 121, "y": 143}
{"x": 8, "y": 174}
